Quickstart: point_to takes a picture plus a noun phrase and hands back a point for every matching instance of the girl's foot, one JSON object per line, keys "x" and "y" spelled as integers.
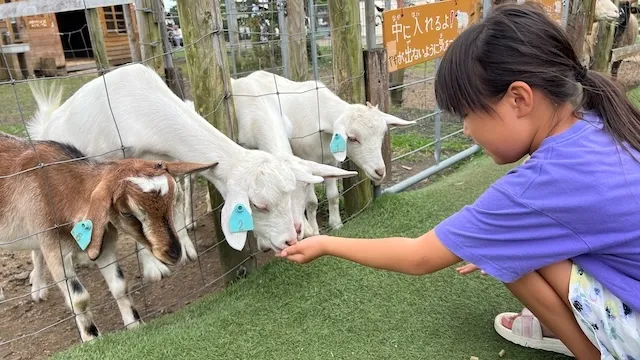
{"x": 526, "y": 330}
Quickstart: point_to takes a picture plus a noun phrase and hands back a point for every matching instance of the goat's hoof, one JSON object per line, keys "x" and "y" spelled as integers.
{"x": 38, "y": 295}
{"x": 336, "y": 226}
{"x": 134, "y": 325}
{"x": 1, "y": 294}
{"x": 190, "y": 250}
{"x": 192, "y": 225}
{"x": 156, "y": 272}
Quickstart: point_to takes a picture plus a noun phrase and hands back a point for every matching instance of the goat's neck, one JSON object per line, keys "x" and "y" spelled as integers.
{"x": 332, "y": 109}
{"x": 190, "y": 138}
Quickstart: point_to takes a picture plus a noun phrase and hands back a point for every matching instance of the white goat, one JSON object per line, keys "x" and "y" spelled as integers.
{"x": 319, "y": 115}
{"x": 262, "y": 126}
{"x": 154, "y": 123}
{"x": 97, "y": 199}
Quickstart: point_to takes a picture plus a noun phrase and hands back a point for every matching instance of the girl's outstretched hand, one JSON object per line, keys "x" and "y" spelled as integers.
{"x": 306, "y": 250}
{"x": 468, "y": 269}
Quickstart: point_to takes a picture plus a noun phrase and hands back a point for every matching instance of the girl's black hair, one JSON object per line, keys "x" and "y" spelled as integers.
{"x": 521, "y": 43}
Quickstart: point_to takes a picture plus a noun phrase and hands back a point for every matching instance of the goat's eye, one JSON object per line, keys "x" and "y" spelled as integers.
{"x": 126, "y": 214}
{"x": 259, "y": 208}
{"x": 352, "y": 139}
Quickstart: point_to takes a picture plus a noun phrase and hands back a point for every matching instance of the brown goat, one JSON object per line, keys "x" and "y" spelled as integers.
{"x": 47, "y": 187}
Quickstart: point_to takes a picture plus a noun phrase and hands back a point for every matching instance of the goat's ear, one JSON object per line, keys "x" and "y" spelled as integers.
{"x": 338, "y": 144}
{"x": 98, "y": 213}
{"x": 177, "y": 168}
{"x": 236, "y": 218}
{"x": 396, "y": 121}
{"x": 304, "y": 176}
{"x": 327, "y": 171}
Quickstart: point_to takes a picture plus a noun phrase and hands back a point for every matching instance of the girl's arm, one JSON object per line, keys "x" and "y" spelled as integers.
{"x": 422, "y": 255}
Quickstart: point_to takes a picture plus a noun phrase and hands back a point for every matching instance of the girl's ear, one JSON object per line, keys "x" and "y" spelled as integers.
{"x": 519, "y": 96}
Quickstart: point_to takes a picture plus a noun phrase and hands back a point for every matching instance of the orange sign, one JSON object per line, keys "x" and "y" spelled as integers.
{"x": 553, "y": 8}
{"x": 415, "y": 34}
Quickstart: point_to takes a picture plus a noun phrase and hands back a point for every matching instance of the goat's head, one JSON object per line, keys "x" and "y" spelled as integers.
{"x": 306, "y": 173}
{"x": 361, "y": 131}
{"x": 257, "y": 196}
{"x": 606, "y": 10}
{"x": 137, "y": 197}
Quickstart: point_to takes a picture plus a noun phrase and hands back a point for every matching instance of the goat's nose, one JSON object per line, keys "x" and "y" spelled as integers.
{"x": 292, "y": 241}
{"x": 380, "y": 172}
{"x": 298, "y": 228}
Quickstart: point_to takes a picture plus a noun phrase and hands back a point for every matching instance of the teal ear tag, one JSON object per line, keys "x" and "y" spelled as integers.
{"x": 240, "y": 220}
{"x": 337, "y": 144}
{"x": 82, "y": 233}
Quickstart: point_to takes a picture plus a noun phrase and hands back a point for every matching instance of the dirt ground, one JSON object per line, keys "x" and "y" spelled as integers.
{"x": 47, "y": 327}
{"x": 31, "y": 330}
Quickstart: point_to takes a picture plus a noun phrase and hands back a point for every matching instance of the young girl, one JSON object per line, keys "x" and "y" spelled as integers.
{"x": 562, "y": 230}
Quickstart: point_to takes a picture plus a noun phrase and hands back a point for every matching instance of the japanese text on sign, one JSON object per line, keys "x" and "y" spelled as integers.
{"x": 416, "y": 34}
{"x": 38, "y": 22}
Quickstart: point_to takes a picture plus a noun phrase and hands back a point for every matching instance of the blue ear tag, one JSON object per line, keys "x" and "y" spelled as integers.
{"x": 337, "y": 144}
{"x": 82, "y": 233}
{"x": 240, "y": 220}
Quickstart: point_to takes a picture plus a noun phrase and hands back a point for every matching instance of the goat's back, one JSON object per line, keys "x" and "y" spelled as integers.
{"x": 126, "y": 106}
{"x": 27, "y": 192}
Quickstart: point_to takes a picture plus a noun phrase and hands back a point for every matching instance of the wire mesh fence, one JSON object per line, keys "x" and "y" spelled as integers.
{"x": 37, "y": 318}
{"x": 254, "y": 41}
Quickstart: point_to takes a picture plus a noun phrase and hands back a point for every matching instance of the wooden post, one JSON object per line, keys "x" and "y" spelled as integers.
{"x": 150, "y": 39}
{"x": 208, "y": 70}
{"x": 297, "y": 41}
{"x": 133, "y": 44}
{"x": 603, "y": 45}
{"x": 579, "y": 24}
{"x": 376, "y": 79}
{"x": 97, "y": 39}
{"x": 346, "y": 44}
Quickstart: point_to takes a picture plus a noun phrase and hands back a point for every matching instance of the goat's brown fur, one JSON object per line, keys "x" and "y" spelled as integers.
{"x": 69, "y": 188}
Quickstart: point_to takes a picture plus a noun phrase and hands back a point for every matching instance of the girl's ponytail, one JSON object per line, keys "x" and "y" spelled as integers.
{"x": 604, "y": 97}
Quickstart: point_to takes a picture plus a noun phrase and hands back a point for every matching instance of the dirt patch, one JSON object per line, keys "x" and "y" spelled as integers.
{"x": 47, "y": 327}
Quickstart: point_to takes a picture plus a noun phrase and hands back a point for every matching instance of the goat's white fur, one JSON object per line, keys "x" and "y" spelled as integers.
{"x": 262, "y": 126}
{"x": 155, "y": 124}
{"x": 314, "y": 115}
{"x": 156, "y": 183}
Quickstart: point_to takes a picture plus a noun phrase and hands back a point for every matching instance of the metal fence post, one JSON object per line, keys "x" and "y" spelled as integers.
{"x": 282, "y": 4}
{"x": 232, "y": 26}
{"x": 486, "y": 7}
{"x": 311, "y": 12}
{"x": 370, "y": 23}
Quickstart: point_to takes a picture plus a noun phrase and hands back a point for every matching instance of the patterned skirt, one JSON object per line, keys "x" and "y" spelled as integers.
{"x": 612, "y": 326}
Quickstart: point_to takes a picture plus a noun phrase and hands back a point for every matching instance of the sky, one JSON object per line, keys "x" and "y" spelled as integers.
{"x": 169, "y": 3}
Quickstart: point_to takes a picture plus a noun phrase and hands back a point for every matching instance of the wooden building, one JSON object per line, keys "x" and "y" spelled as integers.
{"x": 32, "y": 44}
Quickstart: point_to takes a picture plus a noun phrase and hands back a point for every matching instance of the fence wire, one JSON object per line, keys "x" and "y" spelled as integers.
{"x": 253, "y": 41}
{"x": 54, "y": 325}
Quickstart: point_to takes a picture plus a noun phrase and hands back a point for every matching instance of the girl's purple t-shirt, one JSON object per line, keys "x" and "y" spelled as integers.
{"x": 577, "y": 198}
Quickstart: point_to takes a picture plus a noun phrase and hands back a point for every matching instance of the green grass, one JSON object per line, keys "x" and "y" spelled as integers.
{"x": 634, "y": 96}
{"x": 335, "y": 309}
{"x": 14, "y": 98}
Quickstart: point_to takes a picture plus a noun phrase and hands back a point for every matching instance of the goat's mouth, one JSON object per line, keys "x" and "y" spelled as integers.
{"x": 169, "y": 256}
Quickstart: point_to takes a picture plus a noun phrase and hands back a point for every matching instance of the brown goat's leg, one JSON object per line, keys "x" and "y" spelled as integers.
{"x": 75, "y": 295}
{"x": 113, "y": 275}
